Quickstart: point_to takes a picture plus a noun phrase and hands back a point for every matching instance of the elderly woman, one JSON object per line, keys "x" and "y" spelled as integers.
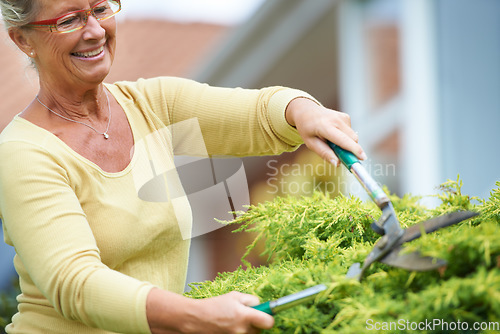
{"x": 91, "y": 255}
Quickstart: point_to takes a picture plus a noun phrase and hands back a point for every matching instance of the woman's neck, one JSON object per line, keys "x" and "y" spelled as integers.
{"x": 84, "y": 104}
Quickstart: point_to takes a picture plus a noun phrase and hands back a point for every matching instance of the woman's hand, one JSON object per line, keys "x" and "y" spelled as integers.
{"x": 316, "y": 124}
{"x": 230, "y": 313}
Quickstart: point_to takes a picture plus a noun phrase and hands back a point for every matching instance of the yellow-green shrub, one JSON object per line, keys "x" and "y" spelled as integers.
{"x": 316, "y": 239}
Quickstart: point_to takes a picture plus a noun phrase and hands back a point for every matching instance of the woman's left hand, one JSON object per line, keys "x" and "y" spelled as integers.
{"x": 316, "y": 124}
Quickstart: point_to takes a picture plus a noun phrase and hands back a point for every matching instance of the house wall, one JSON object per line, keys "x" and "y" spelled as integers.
{"x": 444, "y": 118}
{"x": 468, "y": 44}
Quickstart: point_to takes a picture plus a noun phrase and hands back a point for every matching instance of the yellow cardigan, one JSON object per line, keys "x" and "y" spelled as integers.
{"x": 88, "y": 249}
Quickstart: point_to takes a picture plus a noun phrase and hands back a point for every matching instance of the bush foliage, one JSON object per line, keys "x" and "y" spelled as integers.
{"x": 8, "y": 304}
{"x": 316, "y": 239}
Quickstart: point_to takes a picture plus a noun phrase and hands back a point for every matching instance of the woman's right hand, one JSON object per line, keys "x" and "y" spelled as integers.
{"x": 229, "y": 313}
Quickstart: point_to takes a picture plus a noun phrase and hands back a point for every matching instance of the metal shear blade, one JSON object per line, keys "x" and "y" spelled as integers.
{"x": 436, "y": 223}
{"x": 392, "y": 256}
{"x": 415, "y": 260}
{"x": 412, "y": 261}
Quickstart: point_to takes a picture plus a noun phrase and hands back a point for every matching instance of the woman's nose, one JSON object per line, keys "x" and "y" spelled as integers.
{"x": 93, "y": 29}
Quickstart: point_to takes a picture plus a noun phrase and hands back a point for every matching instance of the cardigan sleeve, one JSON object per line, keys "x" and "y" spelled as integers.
{"x": 233, "y": 121}
{"x": 44, "y": 220}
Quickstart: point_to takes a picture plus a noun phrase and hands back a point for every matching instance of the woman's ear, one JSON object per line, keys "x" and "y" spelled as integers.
{"x": 22, "y": 40}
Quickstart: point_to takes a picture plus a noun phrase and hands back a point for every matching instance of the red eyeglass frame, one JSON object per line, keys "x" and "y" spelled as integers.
{"x": 51, "y": 24}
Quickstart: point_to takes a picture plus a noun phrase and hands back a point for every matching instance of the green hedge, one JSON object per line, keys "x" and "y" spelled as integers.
{"x": 8, "y": 304}
{"x": 315, "y": 240}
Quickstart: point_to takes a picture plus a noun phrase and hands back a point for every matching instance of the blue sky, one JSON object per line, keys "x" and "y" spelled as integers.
{"x": 227, "y": 12}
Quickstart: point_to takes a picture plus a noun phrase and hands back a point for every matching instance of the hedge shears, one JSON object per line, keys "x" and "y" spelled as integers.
{"x": 388, "y": 248}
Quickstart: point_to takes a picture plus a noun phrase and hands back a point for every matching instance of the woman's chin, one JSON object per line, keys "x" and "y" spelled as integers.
{"x": 95, "y": 77}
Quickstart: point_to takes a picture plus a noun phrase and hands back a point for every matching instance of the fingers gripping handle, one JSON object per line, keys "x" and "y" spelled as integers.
{"x": 354, "y": 166}
{"x": 264, "y": 307}
{"x": 347, "y": 158}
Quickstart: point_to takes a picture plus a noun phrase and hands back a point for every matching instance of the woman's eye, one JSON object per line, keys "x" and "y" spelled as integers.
{"x": 67, "y": 21}
{"x": 100, "y": 10}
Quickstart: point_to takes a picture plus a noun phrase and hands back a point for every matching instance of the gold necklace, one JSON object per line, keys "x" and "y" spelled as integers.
{"x": 105, "y": 133}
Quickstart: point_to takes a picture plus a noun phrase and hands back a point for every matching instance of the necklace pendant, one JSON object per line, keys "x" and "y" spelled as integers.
{"x": 106, "y": 136}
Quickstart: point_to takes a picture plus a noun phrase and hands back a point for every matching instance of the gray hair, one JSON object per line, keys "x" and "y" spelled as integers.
{"x": 18, "y": 13}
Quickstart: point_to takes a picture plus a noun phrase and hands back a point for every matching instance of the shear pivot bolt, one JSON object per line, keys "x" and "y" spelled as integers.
{"x": 383, "y": 242}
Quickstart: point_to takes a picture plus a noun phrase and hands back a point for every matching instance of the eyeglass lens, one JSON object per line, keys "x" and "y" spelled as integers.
{"x": 75, "y": 20}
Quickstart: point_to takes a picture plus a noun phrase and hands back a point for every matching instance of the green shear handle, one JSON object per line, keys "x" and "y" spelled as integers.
{"x": 274, "y": 306}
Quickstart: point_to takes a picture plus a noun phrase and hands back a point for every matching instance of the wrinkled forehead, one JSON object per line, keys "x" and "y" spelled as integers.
{"x": 54, "y": 8}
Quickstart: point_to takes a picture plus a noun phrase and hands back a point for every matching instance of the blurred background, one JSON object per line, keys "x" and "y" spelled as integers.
{"x": 420, "y": 79}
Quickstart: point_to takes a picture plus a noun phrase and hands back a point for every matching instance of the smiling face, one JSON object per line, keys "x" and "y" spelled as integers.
{"x": 82, "y": 58}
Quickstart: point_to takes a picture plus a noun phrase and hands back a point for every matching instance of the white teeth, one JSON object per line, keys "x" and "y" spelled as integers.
{"x": 89, "y": 54}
